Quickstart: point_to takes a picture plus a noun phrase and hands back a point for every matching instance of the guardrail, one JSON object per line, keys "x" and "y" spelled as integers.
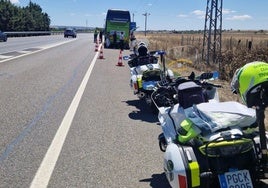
{"x": 36, "y": 33}
{"x": 28, "y": 33}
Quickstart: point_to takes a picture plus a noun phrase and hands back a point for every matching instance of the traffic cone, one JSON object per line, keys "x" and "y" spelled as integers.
{"x": 96, "y": 47}
{"x": 101, "y": 53}
{"x": 120, "y": 63}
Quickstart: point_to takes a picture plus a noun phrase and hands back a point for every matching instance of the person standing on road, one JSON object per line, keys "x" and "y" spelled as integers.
{"x": 101, "y": 32}
{"x": 107, "y": 40}
{"x": 133, "y": 41}
{"x": 95, "y": 35}
{"x": 122, "y": 41}
{"x": 114, "y": 39}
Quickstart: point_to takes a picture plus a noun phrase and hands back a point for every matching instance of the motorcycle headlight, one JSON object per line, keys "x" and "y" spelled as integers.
{"x": 226, "y": 148}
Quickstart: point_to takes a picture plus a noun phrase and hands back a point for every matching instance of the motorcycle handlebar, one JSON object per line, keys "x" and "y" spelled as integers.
{"x": 163, "y": 94}
{"x": 210, "y": 84}
{"x": 166, "y": 91}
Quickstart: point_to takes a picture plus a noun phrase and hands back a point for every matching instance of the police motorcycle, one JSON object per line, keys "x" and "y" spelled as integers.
{"x": 208, "y": 143}
{"x": 146, "y": 72}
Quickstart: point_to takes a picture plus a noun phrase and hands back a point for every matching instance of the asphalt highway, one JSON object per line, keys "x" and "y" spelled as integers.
{"x": 69, "y": 119}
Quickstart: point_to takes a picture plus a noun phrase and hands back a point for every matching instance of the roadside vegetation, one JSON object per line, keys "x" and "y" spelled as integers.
{"x": 185, "y": 50}
{"x": 184, "y": 54}
{"x": 29, "y": 18}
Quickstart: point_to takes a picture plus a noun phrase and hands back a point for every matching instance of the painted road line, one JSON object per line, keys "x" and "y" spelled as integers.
{"x": 45, "y": 170}
{"x": 25, "y": 51}
{"x": 5, "y": 56}
{"x": 38, "y": 49}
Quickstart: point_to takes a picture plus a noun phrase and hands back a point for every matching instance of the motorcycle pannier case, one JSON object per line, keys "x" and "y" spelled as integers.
{"x": 182, "y": 168}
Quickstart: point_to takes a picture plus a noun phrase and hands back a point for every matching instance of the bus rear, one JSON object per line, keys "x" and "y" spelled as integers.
{"x": 117, "y": 22}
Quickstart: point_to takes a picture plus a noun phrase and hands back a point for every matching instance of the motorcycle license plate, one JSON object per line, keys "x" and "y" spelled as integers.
{"x": 236, "y": 179}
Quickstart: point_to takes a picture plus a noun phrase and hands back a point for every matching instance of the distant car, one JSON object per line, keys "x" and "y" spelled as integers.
{"x": 69, "y": 33}
{"x": 3, "y": 36}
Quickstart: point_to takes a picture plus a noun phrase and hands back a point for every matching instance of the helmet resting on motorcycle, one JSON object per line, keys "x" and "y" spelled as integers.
{"x": 247, "y": 78}
{"x": 142, "y": 49}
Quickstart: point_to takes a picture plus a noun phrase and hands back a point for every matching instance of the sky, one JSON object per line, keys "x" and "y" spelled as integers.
{"x": 162, "y": 14}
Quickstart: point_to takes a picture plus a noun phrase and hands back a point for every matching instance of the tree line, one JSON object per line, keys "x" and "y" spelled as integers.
{"x": 29, "y": 18}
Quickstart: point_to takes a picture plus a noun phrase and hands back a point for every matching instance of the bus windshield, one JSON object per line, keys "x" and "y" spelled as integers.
{"x": 118, "y": 15}
{"x": 117, "y": 24}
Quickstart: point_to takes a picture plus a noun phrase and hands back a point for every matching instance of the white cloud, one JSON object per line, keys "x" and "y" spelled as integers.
{"x": 94, "y": 15}
{"x": 240, "y": 17}
{"x": 201, "y": 13}
{"x": 15, "y": 1}
{"x": 182, "y": 15}
{"x": 227, "y": 11}
{"x": 198, "y": 12}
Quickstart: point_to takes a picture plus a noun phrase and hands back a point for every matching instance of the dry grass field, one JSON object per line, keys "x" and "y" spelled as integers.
{"x": 184, "y": 54}
{"x": 238, "y": 48}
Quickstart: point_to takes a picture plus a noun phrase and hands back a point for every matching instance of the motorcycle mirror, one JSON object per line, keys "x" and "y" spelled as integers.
{"x": 192, "y": 76}
{"x": 209, "y": 75}
{"x": 153, "y": 52}
{"x": 215, "y": 75}
{"x": 161, "y": 52}
{"x": 206, "y": 76}
{"x": 126, "y": 58}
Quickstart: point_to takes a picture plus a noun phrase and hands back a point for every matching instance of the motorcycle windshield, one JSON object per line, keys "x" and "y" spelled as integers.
{"x": 151, "y": 75}
{"x": 142, "y": 60}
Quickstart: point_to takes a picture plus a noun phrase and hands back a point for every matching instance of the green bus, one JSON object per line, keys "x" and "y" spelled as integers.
{"x": 117, "y": 23}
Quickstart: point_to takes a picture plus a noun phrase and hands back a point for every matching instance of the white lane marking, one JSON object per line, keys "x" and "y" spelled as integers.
{"x": 24, "y": 52}
{"x": 47, "y": 166}
{"x": 5, "y": 56}
{"x": 8, "y": 58}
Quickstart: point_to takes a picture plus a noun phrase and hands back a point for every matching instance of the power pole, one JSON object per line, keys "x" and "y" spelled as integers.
{"x": 133, "y": 17}
{"x": 145, "y": 14}
{"x": 212, "y": 31}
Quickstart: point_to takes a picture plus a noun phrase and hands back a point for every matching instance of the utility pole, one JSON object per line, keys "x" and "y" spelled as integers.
{"x": 133, "y": 17}
{"x": 145, "y": 14}
{"x": 212, "y": 31}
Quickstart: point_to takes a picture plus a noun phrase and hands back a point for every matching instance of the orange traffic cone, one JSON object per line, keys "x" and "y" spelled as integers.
{"x": 120, "y": 63}
{"x": 101, "y": 53}
{"x": 96, "y": 47}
